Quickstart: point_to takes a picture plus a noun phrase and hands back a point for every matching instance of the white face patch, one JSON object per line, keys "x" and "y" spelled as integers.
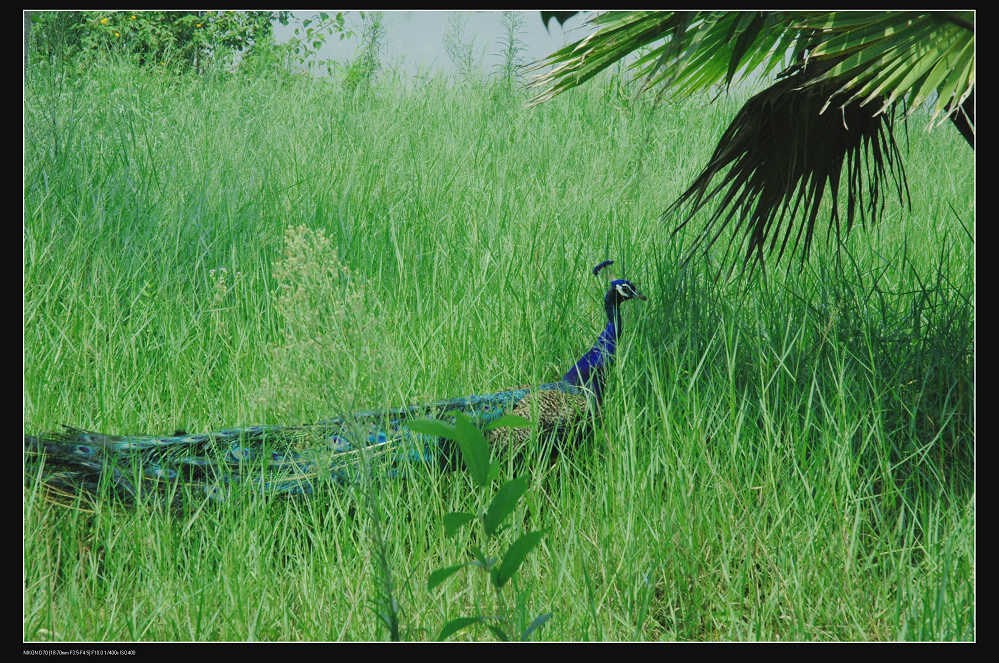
{"x": 624, "y": 290}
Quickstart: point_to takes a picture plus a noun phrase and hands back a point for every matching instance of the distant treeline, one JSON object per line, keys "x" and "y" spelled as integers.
{"x": 177, "y": 40}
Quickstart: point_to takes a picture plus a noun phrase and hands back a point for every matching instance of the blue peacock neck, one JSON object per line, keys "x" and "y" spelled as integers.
{"x": 589, "y": 371}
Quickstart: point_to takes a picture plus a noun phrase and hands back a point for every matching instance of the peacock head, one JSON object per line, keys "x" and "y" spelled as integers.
{"x": 620, "y": 290}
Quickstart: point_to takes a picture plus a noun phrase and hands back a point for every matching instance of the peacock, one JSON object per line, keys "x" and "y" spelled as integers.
{"x": 291, "y": 460}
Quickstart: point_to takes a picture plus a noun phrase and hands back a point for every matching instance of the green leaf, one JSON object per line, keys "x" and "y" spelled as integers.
{"x": 456, "y": 625}
{"x": 440, "y": 575}
{"x": 515, "y": 556}
{"x": 888, "y": 54}
{"x": 432, "y": 427}
{"x": 746, "y": 36}
{"x": 474, "y": 449}
{"x": 508, "y": 421}
{"x": 503, "y": 503}
{"x": 453, "y": 521}
{"x": 538, "y": 622}
{"x": 684, "y": 51}
{"x": 894, "y": 54}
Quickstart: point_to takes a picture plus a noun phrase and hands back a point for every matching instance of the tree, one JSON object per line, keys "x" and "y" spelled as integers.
{"x": 845, "y": 79}
{"x": 187, "y": 38}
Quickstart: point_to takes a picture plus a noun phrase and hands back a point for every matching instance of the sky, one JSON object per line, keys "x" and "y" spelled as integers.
{"x": 414, "y": 40}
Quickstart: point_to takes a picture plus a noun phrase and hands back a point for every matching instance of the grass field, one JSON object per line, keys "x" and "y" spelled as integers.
{"x": 780, "y": 458}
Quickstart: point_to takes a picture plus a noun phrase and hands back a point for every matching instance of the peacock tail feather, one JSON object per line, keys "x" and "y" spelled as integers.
{"x": 290, "y": 460}
{"x": 294, "y": 460}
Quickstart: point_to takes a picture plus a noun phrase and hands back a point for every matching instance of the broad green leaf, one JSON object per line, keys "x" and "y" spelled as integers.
{"x": 453, "y": 522}
{"x": 432, "y": 427}
{"x": 503, "y": 503}
{"x": 474, "y": 449}
{"x": 515, "y": 556}
{"x": 456, "y": 625}
{"x": 440, "y": 575}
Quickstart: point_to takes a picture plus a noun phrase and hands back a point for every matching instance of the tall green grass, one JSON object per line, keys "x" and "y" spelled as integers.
{"x": 787, "y": 457}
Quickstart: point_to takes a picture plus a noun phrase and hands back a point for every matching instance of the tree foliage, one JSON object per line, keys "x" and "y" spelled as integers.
{"x": 843, "y": 80}
{"x": 181, "y": 39}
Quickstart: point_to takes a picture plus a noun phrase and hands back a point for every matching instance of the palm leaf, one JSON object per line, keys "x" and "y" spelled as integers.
{"x": 896, "y": 55}
{"x": 621, "y": 33}
{"x": 779, "y": 156}
{"x": 889, "y": 56}
{"x": 698, "y": 49}
{"x": 830, "y": 113}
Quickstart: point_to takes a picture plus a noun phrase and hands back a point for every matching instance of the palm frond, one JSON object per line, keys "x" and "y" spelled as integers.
{"x": 891, "y": 56}
{"x": 830, "y": 114}
{"x": 779, "y": 155}
{"x": 698, "y": 49}
{"x": 887, "y": 56}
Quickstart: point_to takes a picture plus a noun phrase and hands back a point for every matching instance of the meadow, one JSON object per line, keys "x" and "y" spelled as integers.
{"x": 781, "y": 456}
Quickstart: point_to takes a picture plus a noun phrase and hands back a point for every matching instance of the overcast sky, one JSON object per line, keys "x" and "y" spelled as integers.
{"x": 414, "y": 40}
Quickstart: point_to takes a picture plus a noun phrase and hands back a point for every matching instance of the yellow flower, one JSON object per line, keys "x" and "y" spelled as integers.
{"x": 117, "y": 34}
{"x": 132, "y": 17}
{"x": 103, "y": 21}
{"x": 198, "y": 25}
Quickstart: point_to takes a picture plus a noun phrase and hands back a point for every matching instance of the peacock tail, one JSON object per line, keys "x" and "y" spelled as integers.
{"x": 293, "y": 460}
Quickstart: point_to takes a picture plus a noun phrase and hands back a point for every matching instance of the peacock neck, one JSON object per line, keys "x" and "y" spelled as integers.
{"x": 589, "y": 371}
